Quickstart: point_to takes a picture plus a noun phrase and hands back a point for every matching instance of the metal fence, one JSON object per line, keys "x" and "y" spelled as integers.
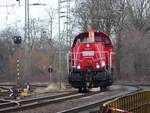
{"x": 133, "y": 103}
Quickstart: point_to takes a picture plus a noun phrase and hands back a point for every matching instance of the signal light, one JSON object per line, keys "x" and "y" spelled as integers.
{"x": 17, "y": 39}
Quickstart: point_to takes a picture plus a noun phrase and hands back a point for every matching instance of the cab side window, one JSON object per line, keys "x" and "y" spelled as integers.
{"x": 107, "y": 42}
{"x": 98, "y": 39}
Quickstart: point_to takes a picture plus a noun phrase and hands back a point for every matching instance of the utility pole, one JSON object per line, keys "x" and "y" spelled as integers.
{"x": 66, "y": 14}
{"x": 6, "y": 12}
{"x": 59, "y": 44}
{"x": 68, "y": 39}
{"x": 27, "y": 34}
{"x": 27, "y": 39}
{"x": 68, "y": 24}
{"x": 51, "y": 27}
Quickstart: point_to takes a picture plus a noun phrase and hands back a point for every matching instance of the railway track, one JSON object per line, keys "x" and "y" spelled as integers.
{"x": 40, "y": 101}
{"x": 86, "y": 107}
{"x": 96, "y": 104}
{"x": 4, "y": 92}
{"x": 5, "y": 89}
{"x": 57, "y": 100}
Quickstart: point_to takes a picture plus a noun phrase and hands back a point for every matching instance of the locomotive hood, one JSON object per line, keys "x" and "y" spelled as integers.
{"x": 90, "y": 55}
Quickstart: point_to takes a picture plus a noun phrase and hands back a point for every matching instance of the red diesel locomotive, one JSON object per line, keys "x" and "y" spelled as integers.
{"x": 91, "y": 61}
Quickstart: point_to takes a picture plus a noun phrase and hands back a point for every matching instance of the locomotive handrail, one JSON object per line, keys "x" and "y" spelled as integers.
{"x": 83, "y": 51}
{"x": 76, "y": 53}
{"x": 97, "y": 59}
{"x": 111, "y": 61}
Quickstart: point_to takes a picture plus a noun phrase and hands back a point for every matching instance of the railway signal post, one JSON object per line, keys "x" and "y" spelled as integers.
{"x": 50, "y": 70}
{"x": 17, "y": 40}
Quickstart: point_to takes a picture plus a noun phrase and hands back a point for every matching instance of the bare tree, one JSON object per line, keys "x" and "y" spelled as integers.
{"x": 138, "y": 14}
{"x": 103, "y": 15}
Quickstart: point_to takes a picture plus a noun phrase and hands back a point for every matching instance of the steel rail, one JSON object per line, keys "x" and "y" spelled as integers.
{"x": 33, "y": 85}
{"x": 97, "y": 103}
{"x": 3, "y": 94}
{"x": 134, "y": 85}
{"x": 8, "y": 104}
{"x": 47, "y": 100}
{"x": 34, "y": 99}
{"x": 5, "y": 103}
{"x": 41, "y": 101}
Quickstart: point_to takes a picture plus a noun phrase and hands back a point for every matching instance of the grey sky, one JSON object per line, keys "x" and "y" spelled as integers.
{"x": 9, "y": 15}
{"x": 14, "y": 15}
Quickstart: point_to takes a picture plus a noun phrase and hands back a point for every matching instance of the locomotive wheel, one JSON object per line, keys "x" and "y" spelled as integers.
{"x": 103, "y": 88}
{"x": 80, "y": 89}
{"x": 85, "y": 89}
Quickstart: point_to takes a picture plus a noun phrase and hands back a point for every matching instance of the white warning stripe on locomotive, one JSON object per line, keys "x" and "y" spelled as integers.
{"x": 88, "y": 53}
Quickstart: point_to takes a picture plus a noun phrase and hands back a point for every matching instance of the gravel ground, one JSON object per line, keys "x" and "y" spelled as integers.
{"x": 53, "y": 108}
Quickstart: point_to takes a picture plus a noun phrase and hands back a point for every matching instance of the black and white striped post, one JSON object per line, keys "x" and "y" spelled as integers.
{"x": 17, "y": 40}
{"x": 18, "y": 71}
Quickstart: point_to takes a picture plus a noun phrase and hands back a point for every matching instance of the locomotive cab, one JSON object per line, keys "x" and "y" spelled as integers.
{"x": 88, "y": 61}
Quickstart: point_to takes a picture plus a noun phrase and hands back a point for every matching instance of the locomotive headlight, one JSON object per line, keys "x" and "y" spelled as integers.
{"x": 78, "y": 67}
{"x": 103, "y": 63}
{"x": 97, "y": 66}
{"x": 87, "y": 45}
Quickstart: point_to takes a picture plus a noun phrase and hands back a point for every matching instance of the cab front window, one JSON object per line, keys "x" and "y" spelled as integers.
{"x": 86, "y": 40}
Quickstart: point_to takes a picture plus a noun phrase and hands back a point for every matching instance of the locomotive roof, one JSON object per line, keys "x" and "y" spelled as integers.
{"x": 85, "y": 35}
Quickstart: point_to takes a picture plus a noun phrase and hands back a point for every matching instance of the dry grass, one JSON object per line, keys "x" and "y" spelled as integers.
{"x": 52, "y": 87}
